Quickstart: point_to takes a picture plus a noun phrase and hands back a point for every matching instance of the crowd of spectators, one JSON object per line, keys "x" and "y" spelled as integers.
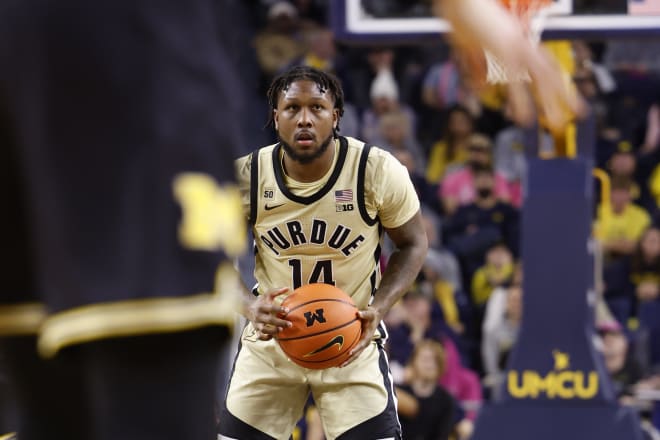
{"x": 467, "y": 161}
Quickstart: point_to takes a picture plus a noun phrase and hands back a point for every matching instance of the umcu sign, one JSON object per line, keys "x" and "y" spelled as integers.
{"x": 560, "y": 383}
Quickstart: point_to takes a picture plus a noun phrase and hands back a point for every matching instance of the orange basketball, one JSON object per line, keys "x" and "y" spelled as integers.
{"x": 325, "y": 326}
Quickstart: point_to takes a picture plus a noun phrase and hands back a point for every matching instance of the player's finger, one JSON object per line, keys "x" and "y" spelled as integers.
{"x": 274, "y": 321}
{"x": 264, "y": 336}
{"x": 266, "y": 331}
{"x": 355, "y": 352}
{"x": 368, "y": 315}
{"x": 276, "y": 292}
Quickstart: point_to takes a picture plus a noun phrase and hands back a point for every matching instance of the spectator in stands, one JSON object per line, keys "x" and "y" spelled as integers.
{"x": 427, "y": 193}
{"x": 509, "y": 155}
{"x": 648, "y": 169}
{"x": 280, "y": 41}
{"x": 620, "y": 363}
{"x": 620, "y": 224}
{"x": 396, "y": 134}
{"x": 652, "y": 133}
{"x": 497, "y": 272}
{"x": 654, "y": 187}
{"x": 645, "y": 266}
{"x": 436, "y": 409}
{"x": 451, "y": 151}
{"x": 586, "y": 60}
{"x": 458, "y": 187}
{"x": 476, "y": 227}
{"x": 500, "y": 331}
{"x": 448, "y": 83}
{"x": 413, "y": 323}
{"x": 384, "y": 94}
{"x": 445, "y": 86}
{"x": 623, "y": 163}
{"x": 439, "y": 271}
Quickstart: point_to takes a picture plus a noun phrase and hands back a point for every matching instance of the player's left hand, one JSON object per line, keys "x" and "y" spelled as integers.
{"x": 370, "y": 318}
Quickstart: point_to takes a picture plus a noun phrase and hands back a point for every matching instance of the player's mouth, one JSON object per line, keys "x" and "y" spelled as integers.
{"x": 305, "y": 139}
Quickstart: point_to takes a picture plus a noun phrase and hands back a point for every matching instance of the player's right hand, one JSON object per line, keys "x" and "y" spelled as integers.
{"x": 263, "y": 313}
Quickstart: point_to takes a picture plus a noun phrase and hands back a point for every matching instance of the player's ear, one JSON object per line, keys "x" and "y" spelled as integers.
{"x": 275, "y": 117}
{"x": 335, "y": 118}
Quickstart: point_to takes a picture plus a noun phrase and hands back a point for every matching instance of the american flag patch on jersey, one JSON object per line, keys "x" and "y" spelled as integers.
{"x": 344, "y": 195}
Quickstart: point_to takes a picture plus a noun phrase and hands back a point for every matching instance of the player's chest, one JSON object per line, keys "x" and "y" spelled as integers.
{"x": 310, "y": 229}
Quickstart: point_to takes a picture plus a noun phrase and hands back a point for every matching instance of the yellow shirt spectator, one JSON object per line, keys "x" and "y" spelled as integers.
{"x": 628, "y": 224}
{"x": 487, "y": 278}
{"x": 444, "y": 295}
{"x": 440, "y": 160}
{"x": 654, "y": 184}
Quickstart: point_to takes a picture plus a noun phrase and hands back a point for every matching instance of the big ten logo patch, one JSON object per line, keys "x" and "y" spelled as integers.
{"x": 560, "y": 383}
{"x": 343, "y": 200}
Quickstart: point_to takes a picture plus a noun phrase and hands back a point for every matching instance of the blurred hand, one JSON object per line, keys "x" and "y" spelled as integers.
{"x": 263, "y": 314}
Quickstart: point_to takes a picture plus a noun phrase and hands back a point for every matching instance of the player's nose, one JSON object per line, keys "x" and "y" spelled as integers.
{"x": 305, "y": 118}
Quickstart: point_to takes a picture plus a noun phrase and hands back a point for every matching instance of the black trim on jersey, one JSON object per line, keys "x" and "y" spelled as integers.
{"x": 254, "y": 186}
{"x": 362, "y": 170}
{"x": 385, "y": 424}
{"x": 279, "y": 175}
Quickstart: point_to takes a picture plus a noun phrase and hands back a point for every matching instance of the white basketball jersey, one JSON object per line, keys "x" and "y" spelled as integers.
{"x": 325, "y": 231}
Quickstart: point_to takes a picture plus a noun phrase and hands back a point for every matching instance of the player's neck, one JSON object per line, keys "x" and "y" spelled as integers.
{"x": 309, "y": 172}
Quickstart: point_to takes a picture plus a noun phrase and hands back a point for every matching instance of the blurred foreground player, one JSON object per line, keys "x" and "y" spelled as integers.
{"x": 110, "y": 327}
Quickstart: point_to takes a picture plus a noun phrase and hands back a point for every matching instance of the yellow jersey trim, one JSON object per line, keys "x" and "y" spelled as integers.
{"x": 10, "y": 436}
{"x": 143, "y": 316}
{"x": 21, "y": 319}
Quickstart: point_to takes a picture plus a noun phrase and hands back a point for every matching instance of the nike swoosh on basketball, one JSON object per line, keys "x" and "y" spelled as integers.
{"x": 337, "y": 340}
{"x": 269, "y": 207}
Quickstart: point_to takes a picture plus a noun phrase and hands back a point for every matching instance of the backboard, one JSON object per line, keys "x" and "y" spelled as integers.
{"x": 377, "y": 20}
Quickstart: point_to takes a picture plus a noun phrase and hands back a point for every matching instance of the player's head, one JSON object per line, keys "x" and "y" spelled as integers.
{"x": 306, "y": 106}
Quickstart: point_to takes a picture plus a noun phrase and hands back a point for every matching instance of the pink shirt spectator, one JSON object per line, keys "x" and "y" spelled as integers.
{"x": 459, "y": 185}
{"x": 461, "y": 382}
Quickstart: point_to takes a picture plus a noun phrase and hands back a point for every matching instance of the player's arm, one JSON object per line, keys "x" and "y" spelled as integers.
{"x": 403, "y": 265}
{"x": 402, "y": 268}
{"x": 486, "y": 24}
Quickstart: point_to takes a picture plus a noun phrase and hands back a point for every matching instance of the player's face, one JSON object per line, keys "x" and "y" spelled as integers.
{"x": 304, "y": 119}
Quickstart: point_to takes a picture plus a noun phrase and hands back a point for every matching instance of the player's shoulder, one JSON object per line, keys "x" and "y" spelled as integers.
{"x": 376, "y": 155}
{"x": 260, "y": 152}
{"x": 245, "y": 162}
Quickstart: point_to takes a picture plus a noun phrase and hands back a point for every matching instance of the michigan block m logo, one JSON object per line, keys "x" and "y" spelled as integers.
{"x": 314, "y": 316}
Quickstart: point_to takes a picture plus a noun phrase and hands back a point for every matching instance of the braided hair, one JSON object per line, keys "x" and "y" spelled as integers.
{"x": 325, "y": 81}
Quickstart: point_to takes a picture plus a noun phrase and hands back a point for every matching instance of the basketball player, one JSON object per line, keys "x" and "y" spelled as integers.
{"x": 102, "y": 106}
{"x": 318, "y": 204}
